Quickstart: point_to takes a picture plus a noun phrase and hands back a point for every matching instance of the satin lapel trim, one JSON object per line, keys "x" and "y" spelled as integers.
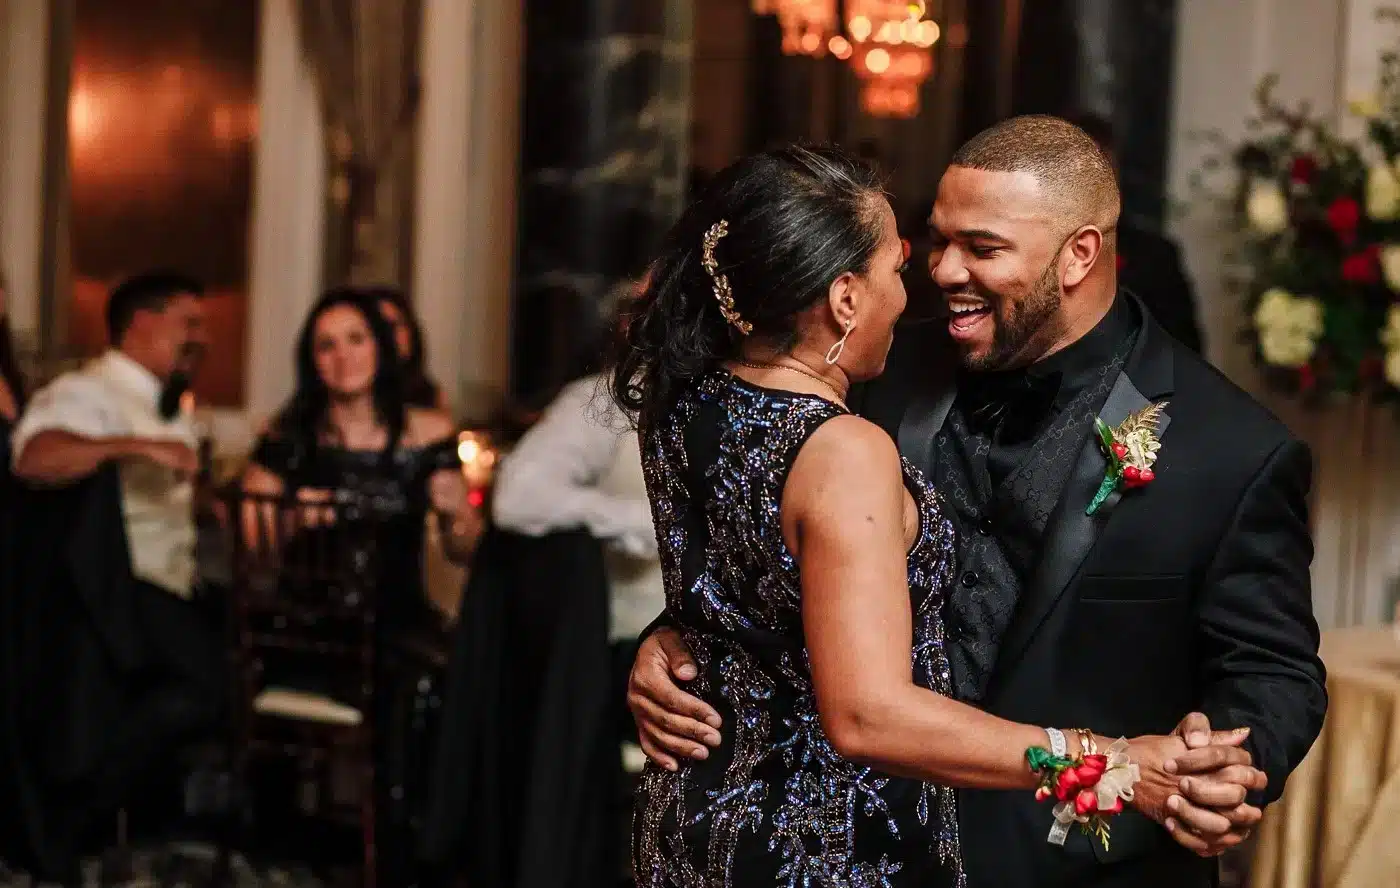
{"x": 923, "y": 420}
{"x": 1071, "y": 534}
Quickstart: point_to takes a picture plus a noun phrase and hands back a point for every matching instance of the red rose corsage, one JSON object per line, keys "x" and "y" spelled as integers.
{"x": 1088, "y": 790}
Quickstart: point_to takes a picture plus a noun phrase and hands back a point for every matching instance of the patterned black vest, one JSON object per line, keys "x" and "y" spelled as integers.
{"x": 1001, "y": 527}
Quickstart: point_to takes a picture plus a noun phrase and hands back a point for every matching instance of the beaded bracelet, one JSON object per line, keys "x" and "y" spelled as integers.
{"x": 1088, "y": 789}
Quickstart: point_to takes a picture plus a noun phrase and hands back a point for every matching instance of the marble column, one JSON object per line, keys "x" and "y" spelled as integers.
{"x": 604, "y": 161}
{"x": 1113, "y": 59}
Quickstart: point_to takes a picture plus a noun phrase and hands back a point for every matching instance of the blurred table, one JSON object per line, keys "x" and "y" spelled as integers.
{"x": 1338, "y": 823}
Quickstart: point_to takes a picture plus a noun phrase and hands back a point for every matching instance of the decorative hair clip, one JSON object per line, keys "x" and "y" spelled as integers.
{"x": 723, "y": 295}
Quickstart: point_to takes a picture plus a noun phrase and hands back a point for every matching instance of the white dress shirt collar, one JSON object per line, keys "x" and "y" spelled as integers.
{"x": 117, "y": 367}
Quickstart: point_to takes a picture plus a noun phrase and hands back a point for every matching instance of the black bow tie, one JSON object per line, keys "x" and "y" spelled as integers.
{"x": 1006, "y": 407}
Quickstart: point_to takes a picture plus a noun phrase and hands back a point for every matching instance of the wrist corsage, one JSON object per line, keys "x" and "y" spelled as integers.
{"x": 1088, "y": 789}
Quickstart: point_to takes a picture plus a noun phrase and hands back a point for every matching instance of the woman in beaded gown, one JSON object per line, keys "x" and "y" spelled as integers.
{"x": 805, "y": 563}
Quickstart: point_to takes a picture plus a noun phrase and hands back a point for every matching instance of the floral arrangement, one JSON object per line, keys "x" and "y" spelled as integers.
{"x": 1088, "y": 790}
{"x": 1318, "y": 218}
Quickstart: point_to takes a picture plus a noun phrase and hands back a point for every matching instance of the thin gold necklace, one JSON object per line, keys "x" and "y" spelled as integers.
{"x": 754, "y": 365}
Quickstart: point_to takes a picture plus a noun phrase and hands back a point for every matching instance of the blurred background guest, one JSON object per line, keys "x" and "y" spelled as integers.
{"x": 108, "y": 458}
{"x": 349, "y": 431}
{"x": 350, "y": 427}
{"x": 579, "y": 468}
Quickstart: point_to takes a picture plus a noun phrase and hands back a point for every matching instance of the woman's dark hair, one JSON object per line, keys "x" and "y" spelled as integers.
{"x": 798, "y": 217}
{"x": 418, "y": 389}
{"x": 303, "y": 419}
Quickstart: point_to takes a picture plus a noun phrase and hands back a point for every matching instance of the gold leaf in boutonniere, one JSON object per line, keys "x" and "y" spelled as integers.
{"x": 1131, "y": 450}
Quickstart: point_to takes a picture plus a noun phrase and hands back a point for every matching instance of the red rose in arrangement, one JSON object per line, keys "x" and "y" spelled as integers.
{"x": 1363, "y": 267}
{"x": 1302, "y": 170}
{"x": 1343, "y": 216}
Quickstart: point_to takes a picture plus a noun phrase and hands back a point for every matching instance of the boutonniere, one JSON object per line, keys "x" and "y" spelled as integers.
{"x": 1131, "y": 450}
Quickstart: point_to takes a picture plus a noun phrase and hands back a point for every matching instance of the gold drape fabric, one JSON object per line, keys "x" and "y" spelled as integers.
{"x": 1338, "y": 822}
{"x": 365, "y": 57}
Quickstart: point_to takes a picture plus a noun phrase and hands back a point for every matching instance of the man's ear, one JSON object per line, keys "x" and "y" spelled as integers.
{"x": 1083, "y": 248}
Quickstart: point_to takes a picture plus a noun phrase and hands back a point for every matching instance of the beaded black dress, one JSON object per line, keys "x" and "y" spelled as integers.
{"x": 774, "y": 805}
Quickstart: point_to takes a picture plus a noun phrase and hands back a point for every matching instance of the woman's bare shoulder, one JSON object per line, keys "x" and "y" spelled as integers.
{"x": 853, "y": 440}
{"x": 846, "y": 452}
{"x": 426, "y": 425}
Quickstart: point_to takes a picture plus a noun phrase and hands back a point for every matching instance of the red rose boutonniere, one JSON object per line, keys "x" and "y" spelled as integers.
{"x": 1131, "y": 451}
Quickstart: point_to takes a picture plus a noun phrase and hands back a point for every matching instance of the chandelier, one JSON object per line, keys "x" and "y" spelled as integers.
{"x": 808, "y": 25}
{"x": 891, "y": 49}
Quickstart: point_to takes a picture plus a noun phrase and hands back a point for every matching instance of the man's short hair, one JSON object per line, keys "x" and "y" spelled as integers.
{"x": 1099, "y": 128}
{"x": 148, "y": 291}
{"x": 1075, "y": 171}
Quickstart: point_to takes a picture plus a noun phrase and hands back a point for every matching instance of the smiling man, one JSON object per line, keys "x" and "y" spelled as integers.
{"x": 1176, "y": 606}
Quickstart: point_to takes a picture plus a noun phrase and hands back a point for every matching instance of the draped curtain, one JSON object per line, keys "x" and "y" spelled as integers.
{"x": 365, "y": 57}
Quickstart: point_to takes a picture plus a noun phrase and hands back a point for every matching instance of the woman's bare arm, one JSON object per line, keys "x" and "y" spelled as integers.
{"x": 845, "y": 515}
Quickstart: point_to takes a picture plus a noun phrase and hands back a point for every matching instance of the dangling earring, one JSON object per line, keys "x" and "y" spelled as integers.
{"x": 833, "y": 354}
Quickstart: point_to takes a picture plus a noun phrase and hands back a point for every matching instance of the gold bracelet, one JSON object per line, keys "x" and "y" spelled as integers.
{"x": 1087, "y": 745}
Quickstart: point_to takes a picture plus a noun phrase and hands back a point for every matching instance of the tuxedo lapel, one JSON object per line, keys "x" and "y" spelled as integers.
{"x": 1070, "y": 533}
{"x": 922, "y": 421}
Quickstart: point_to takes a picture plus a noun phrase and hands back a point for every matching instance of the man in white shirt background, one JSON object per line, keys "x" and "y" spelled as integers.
{"x": 124, "y": 408}
{"x": 580, "y": 467}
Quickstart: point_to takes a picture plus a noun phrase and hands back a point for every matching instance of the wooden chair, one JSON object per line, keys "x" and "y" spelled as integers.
{"x": 305, "y": 590}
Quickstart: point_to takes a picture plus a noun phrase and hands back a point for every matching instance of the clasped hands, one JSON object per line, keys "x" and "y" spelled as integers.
{"x": 1194, "y": 780}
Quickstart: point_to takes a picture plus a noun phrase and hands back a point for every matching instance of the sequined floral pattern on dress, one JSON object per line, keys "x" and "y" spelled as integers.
{"x": 775, "y": 805}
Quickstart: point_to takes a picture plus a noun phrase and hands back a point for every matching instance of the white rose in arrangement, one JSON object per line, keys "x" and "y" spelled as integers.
{"x": 1392, "y": 367}
{"x": 1288, "y": 327}
{"x": 1390, "y": 338}
{"x": 1265, "y": 207}
{"x": 1283, "y": 349}
{"x": 1390, "y": 266}
{"x": 1382, "y": 192}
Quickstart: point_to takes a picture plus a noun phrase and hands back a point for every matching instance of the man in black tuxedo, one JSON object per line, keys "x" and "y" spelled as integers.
{"x": 1177, "y": 606}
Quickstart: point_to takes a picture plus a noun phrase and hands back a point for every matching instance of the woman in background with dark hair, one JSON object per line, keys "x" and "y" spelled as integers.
{"x": 348, "y": 426}
{"x": 418, "y": 389}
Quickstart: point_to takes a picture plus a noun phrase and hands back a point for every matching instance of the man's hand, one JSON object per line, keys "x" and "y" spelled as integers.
{"x": 671, "y": 724}
{"x": 173, "y": 455}
{"x": 1158, "y": 793}
{"x": 1208, "y": 813}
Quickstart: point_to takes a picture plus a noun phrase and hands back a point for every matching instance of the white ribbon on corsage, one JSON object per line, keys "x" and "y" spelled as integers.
{"x": 1117, "y": 782}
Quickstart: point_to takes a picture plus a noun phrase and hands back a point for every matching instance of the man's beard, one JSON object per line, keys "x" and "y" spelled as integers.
{"x": 1018, "y": 325}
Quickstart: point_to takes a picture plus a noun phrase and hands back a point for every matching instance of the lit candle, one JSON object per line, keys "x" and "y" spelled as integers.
{"x": 478, "y": 459}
